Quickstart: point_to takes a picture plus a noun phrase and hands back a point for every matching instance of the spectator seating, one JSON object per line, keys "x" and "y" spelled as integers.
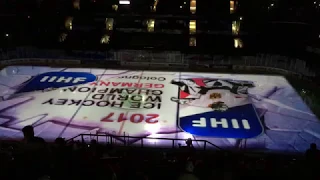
{"x": 77, "y": 160}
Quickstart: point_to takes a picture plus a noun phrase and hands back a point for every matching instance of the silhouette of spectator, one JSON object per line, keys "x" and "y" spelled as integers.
{"x": 188, "y": 173}
{"x": 312, "y": 154}
{"x": 189, "y": 143}
{"x": 34, "y": 154}
{"x": 60, "y": 142}
{"x": 61, "y": 158}
{"x": 29, "y": 137}
{"x": 312, "y": 159}
{"x": 95, "y": 149}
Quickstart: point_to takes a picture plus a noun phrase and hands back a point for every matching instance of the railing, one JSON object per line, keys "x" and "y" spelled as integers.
{"x": 143, "y": 141}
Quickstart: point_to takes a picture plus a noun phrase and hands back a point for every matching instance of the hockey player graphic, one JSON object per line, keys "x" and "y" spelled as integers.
{"x": 217, "y": 94}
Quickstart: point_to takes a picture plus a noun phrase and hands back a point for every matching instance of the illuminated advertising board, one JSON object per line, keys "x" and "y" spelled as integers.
{"x": 229, "y": 110}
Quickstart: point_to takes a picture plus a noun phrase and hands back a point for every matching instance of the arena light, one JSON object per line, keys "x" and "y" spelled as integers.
{"x": 109, "y": 24}
{"x": 193, "y": 6}
{"x": 154, "y": 7}
{"x": 150, "y": 25}
{"x": 76, "y": 4}
{"x": 124, "y": 2}
{"x": 105, "y": 39}
{"x": 238, "y": 43}
{"x": 192, "y": 41}
{"x": 68, "y": 23}
{"x": 192, "y": 26}
{"x": 232, "y": 7}
{"x": 63, "y": 37}
{"x": 115, "y": 7}
{"x": 235, "y": 27}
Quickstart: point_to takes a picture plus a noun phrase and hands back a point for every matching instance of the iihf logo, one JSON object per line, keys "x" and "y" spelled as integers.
{"x": 223, "y": 122}
{"x": 237, "y": 122}
{"x": 63, "y": 79}
{"x": 55, "y": 80}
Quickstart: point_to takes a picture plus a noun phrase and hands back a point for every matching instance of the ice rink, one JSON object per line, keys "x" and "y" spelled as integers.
{"x": 258, "y": 112}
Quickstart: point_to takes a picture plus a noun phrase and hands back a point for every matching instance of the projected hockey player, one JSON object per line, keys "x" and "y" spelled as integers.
{"x": 217, "y": 94}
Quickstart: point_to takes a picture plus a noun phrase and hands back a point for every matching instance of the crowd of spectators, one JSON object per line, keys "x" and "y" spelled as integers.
{"x": 35, "y": 159}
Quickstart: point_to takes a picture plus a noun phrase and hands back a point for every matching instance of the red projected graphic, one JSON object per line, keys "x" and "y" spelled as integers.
{"x": 134, "y": 118}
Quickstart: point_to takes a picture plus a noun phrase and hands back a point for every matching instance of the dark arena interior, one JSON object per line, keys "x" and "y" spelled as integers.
{"x": 159, "y": 89}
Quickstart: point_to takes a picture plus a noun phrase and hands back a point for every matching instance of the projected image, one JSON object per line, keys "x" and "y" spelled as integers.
{"x": 231, "y": 111}
{"x": 217, "y": 108}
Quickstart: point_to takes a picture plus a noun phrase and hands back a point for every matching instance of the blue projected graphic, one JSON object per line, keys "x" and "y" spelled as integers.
{"x": 237, "y": 122}
{"x": 57, "y": 80}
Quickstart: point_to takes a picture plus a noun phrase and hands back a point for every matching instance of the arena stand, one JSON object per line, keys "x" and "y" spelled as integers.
{"x": 84, "y": 159}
